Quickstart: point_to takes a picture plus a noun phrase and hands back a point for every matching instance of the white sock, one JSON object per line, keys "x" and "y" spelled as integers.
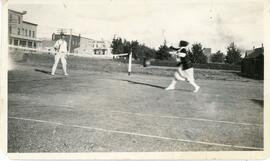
{"x": 172, "y": 85}
{"x": 195, "y": 86}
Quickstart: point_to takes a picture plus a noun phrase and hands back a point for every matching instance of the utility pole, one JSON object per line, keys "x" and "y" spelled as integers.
{"x": 70, "y": 38}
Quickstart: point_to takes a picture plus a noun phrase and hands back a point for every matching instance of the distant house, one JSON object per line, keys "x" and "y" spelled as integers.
{"x": 207, "y": 53}
{"x": 253, "y": 63}
{"x": 86, "y": 46}
{"x": 83, "y": 45}
{"x": 21, "y": 33}
{"x": 94, "y": 47}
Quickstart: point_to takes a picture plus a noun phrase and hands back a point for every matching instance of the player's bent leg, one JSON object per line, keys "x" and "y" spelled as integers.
{"x": 64, "y": 64}
{"x": 172, "y": 85}
{"x": 195, "y": 86}
{"x": 56, "y": 60}
{"x": 178, "y": 76}
{"x": 174, "y": 81}
{"x": 191, "y": 80}
{"x": 182, "y": 74}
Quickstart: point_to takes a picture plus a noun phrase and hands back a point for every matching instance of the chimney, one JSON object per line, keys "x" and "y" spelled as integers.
{"x": 262, "y": 45}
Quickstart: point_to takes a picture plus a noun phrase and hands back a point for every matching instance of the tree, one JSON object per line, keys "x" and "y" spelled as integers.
{"x": 196, "y": 55}
{"x": 134, "y": 45}
{"x": 117, "y": 46}
{"x": 126, "y": 46}
{"x": 139, "y": 51}
{"x": 233, "y": 54}
{"x": 147, "y": 52}
{"x": 218, "y": 57}
{"x": 163, "y": 52}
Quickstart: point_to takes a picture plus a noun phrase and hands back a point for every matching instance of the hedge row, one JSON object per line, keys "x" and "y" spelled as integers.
{"x": 202, "y": 66}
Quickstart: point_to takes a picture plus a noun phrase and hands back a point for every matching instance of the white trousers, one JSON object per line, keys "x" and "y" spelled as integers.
{"x": 61, "y": 56}
{"x": 185, "y": 74}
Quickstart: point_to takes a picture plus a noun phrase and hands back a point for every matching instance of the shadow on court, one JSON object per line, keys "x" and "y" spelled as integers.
{"x": 151, "y": 85}
{"x": 259, "y": 102}
{"x": 43, "y": 71}
{"x": 141, "y": 83}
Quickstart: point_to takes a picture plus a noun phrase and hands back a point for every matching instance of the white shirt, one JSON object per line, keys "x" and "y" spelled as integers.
{"x": 61, "y": 45}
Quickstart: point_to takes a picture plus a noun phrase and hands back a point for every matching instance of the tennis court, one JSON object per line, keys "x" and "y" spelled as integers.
{"x": 109, "y": 111}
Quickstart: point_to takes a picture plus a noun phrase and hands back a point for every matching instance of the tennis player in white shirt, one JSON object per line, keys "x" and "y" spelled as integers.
{"x": 61, "y": 47}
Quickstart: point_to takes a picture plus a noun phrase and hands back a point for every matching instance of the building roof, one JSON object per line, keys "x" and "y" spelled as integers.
{"x": 66, "y": 35}
{"x": 256, "y": 53}
{"x": 207, "y": 51}
{"x": 87, "y": 38}
{"x": 30, "y": 23}
{"x": 22, "y": 13}
{"x": 248, "y": 52}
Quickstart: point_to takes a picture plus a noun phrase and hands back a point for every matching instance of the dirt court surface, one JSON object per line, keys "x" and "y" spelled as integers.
{"x": 97, "y": 111}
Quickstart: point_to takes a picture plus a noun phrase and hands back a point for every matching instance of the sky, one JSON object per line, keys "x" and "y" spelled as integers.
{"x": 213, "y": 23}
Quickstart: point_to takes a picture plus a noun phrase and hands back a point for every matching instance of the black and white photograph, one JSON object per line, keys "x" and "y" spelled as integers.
{"x": 115, "y": 76}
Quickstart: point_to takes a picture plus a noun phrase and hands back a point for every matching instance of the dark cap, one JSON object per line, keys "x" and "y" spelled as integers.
{"x": 183, "y": 43}
{"x": 62, "y": 34}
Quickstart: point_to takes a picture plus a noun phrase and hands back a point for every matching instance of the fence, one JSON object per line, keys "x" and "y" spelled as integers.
{"x": 253, "y": 67}
{"x": 169, "y": 63}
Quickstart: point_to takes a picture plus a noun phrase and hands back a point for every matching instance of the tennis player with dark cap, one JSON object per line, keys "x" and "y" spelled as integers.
{"x": 185, "y": 70}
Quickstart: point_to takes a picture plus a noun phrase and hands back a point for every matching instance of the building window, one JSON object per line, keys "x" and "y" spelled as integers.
{"x": 30, "y": 33}
{"x": 16, "y": 42}
{"x": 10, "y": 41}
{"x": 33, "y": 34}
{"x": 19, "y": 31}
{"x": 23, "y": 31}
{"x": 10, "y": 18}
{"x": 35, "y": 44}
{"x": 10, "y": 29}
{"x": 30, "y": 44}
{"x": 19, "y": 19}
{"x": 26, "y": 32}
{"x": 23, "y": 43}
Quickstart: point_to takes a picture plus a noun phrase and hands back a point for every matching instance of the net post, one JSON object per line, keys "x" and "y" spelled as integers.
{"x": 129, "y": 63}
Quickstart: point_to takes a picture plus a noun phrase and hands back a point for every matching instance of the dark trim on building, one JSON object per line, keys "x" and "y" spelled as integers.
{"x": 21, "y": 13}
{"x": 30, "y": 23}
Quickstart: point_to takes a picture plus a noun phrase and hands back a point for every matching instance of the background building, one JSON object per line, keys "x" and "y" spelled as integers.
{"x": 207, "y": 52}
{"x": 21, "y": 33}
{"x": 94, "y": 47}
{"x": 86, "y": 46}
{"x": 80, "y": 45}
{"x": 102, "y": 48}
{"x": 253, "y": 63}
